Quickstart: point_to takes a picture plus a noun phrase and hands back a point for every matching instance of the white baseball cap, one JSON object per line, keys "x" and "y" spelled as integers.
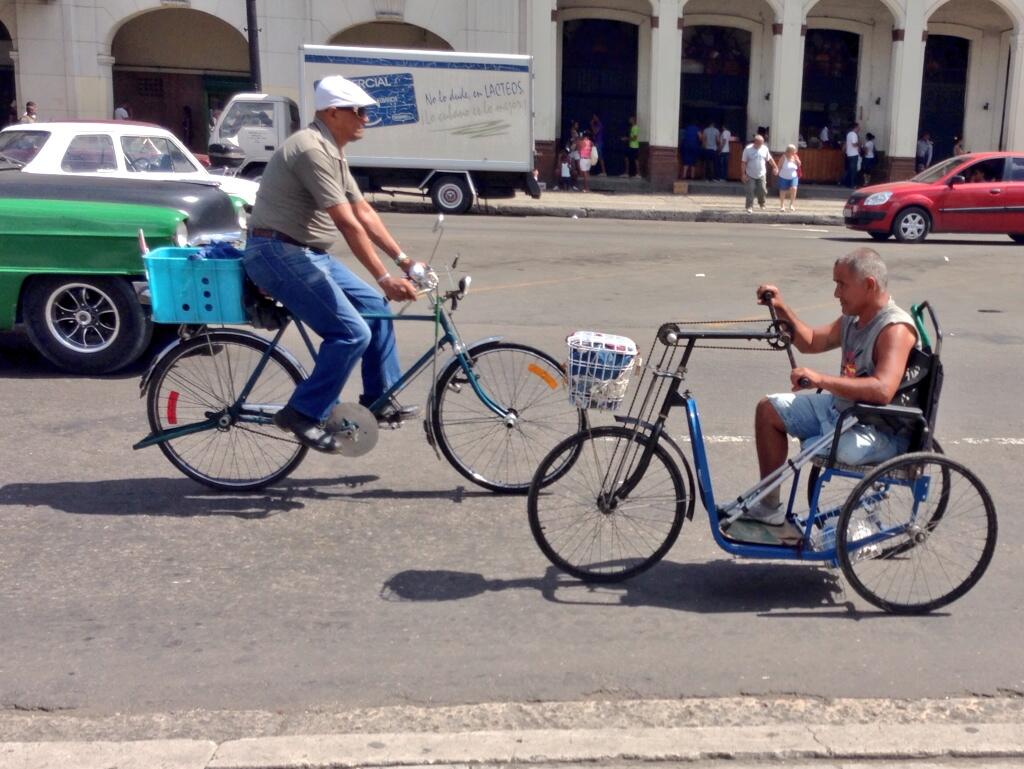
{"x": 336, "y": 91}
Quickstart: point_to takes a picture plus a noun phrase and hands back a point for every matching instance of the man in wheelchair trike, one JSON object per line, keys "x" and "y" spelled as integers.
{"x": 876, "y": 339}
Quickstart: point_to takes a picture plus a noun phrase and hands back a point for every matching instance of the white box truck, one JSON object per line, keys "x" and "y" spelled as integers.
{"x": 458, "y": 126}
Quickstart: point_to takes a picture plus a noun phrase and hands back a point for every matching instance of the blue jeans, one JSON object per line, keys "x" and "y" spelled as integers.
{"x": 326, "y": 296}
{"x": 850, "y": 176}
{"x": 723, "y": 165}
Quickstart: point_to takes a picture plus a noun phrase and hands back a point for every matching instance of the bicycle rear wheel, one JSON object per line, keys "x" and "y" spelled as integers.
{"x": 203, "y": 378}
{"x": 586, "y": 531}
{"x": 499, "y": 454}
{"x": 917, "y": 533}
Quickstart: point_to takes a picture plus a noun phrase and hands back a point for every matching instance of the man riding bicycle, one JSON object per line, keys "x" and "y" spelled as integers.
{"x": 875, "y": 337}
{"x": 307, "y": 196}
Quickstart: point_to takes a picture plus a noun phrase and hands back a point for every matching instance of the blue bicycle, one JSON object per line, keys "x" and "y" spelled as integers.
{"x": 911, "y": 534}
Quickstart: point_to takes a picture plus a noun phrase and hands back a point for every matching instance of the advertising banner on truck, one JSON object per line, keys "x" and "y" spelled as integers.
{"x": 454, "y": 110}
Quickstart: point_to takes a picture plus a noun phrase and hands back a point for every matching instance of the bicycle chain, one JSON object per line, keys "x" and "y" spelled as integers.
{"x": 771, "y": 348}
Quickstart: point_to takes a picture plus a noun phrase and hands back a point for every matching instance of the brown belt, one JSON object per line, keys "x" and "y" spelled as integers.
{"x": 276, "y": 235}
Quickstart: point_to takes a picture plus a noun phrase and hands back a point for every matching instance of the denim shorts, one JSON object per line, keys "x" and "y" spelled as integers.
{"x": 808, "y": 416}
{"x": 785, "y": 184}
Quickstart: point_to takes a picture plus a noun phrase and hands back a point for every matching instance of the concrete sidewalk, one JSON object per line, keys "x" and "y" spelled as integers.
{"x": 652, "y": 207}
{"x": 698, "y": 733}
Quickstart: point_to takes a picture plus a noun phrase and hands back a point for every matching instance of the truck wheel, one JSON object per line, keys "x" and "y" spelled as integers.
{"x": 85, "y": 324}
{"x": 451, "y": 195}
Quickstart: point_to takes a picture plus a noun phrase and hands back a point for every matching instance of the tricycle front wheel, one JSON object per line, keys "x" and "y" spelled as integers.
{"x": 588, "y": 532}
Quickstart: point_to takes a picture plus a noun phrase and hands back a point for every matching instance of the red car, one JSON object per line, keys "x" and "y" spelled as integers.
{"x": 979, "y": 192}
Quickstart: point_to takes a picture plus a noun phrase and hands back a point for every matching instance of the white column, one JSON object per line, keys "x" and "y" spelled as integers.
{"x": 1014, "y": 137}
{"x": 787, "y": 76}
{"x": 905, "y": 84}
{"x": 543, "y": 46}
{"x": 665, "y": 69}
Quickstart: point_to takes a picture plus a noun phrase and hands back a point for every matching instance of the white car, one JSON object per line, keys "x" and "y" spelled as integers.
{"x": 117, "y": 148}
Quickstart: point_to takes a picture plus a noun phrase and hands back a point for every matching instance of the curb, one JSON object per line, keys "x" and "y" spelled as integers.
{"x": 642, "y": 214}
{"x": 542, "y": 746}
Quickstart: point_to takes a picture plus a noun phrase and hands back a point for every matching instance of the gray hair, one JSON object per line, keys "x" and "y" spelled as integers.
{"x": 866, "y": 263}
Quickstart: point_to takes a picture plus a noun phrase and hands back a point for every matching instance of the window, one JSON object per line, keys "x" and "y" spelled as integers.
{"x": 88, "y": 153}
{"x": 22, "y": 146}
{"x": 155, "y": 154}
{"x": 985, "y": 172}
{"x": 243, "y": 114}
{"x": 293, "y": 116}
{"x": 1017, "y": 169}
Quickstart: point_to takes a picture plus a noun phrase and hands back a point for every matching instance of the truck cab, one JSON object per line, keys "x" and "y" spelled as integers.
{"x": 249, "y": 130}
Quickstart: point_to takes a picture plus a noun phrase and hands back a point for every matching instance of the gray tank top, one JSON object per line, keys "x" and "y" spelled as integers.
{"x": 858, "y": 344}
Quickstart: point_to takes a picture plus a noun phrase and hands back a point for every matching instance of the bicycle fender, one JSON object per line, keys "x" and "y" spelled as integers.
{"x": 148, "y": 376}
{"x": 679, "y": 453}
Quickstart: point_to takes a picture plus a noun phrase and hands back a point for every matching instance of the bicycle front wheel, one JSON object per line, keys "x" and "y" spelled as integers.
{"x": 203, "y": 378}
{"x": 917, "y": 533}
{"x": 494, "y": 452}
{"x": 584, "y": 528}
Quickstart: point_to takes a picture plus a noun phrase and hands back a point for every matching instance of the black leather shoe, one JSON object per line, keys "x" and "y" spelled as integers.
{"x": 394, "y": 413}
{"x": 308, "y": 431}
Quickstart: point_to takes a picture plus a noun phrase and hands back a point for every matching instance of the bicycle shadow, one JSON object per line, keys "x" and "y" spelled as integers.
{"x": 722, "y": 586}
{"x": 184, "y": 498}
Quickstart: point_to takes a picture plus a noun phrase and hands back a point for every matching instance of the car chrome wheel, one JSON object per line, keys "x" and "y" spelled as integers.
{"x": 913, "y": 226}
{"x": 82, "y": 318}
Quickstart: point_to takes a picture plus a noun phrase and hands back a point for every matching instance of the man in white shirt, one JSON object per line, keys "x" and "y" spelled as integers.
{"x": 851, "y": 148}
{"x": 753, "y": 167}
{"x": 724, "y": 137}
{"x": 121, "y": 113}
{"x": 825, "y": 136}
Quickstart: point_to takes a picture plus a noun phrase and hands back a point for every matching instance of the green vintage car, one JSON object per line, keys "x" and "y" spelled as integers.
{"x": 69, "y": 257}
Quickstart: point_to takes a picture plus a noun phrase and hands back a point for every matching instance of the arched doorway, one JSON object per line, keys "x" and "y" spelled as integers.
{"x": 715, "y": 82}
{"x": 829, "y": 97}
{"x": 599, "y": 75}
{"x": 390, "y": 34}
{"x": 943, "y": 91}
{"x": 174, "y": 65}
{"x": 7, "y": 90}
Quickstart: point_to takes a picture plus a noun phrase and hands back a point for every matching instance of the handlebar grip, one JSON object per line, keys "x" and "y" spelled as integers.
{"x": 768, "y": 295}
{"x": 804, "y": 382}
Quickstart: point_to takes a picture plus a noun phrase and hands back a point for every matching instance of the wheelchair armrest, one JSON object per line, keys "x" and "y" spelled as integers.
{"x": 908, "y": 414}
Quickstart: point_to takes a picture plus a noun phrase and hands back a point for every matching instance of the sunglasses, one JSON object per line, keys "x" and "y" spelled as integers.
{"x": 360, "y": 111}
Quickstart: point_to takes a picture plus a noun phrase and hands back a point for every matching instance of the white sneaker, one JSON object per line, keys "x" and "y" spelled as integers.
{"x": 762, "y": 512}
{"x": 749, "y": 210}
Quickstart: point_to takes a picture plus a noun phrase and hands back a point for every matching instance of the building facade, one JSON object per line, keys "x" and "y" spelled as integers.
{"x": 954, "y": 68}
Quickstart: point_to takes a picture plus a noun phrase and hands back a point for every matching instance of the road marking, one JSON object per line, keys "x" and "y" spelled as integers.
{"x": 796, "y": 229}
{"x": 956, "y": 442}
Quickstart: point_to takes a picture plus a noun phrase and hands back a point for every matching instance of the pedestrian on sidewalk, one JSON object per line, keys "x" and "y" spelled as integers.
{"x": 754, "y": 169}
{"x": 597, "y": 135}
{"x": 565, "y": 172}
{"x": 789, "y": 178}
{"x": 724, "y": 149}
{"x": 869, "y": 161}
{"x": 30, "y": 115}
{"x": 851, "y": 148}
{"x": 923, "y": 154}
{"x": 689, "y": 149}
{"x": 709, "y": 150}
{"x": 586, "y": 149}
{"x": 632, "y": 148}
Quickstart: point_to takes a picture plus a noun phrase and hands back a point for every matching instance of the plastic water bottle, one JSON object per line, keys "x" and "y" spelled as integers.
{"x": 824, "y": 538}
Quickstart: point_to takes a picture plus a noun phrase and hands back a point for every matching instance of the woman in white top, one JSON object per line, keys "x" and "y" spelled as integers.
{"x": 789, "y": 178}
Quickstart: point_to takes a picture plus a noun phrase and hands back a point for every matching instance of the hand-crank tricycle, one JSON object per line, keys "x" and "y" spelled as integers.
{"x": 915, "y": 532}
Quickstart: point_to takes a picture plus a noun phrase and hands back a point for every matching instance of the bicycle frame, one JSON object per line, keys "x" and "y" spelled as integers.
{"x": 623, "y": 475}
{"x": 240, "y": 411}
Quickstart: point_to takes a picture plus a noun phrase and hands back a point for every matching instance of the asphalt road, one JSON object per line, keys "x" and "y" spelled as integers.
{"x": 390, "y": 580}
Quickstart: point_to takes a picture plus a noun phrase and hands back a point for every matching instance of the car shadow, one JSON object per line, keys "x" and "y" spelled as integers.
{"x": 721, "y": 586}
{"x": 20, "y": 360}
{"x": 184, "y": 498}
{"x": 932, "y": 240}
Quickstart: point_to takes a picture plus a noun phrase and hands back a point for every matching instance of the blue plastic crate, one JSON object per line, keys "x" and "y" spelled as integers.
{"x": 185, "y": 288}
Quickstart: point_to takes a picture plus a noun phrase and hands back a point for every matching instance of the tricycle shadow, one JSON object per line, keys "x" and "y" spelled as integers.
{"x": 721, "y": 586}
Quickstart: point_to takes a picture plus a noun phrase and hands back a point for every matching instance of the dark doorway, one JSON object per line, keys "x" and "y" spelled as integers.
{"x": 599, "y": 63}
{"x": 943, "y": 91}
{"x": 831, "y": 64}
{"x": 9, "y": 113}
{"x": 716, "y": 78}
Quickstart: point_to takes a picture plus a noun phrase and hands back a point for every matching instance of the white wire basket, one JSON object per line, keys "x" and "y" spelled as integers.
{"x": 600, "y": 366}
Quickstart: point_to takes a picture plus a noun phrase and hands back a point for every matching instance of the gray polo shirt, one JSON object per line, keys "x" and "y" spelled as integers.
{"x": 307, "y": 175}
